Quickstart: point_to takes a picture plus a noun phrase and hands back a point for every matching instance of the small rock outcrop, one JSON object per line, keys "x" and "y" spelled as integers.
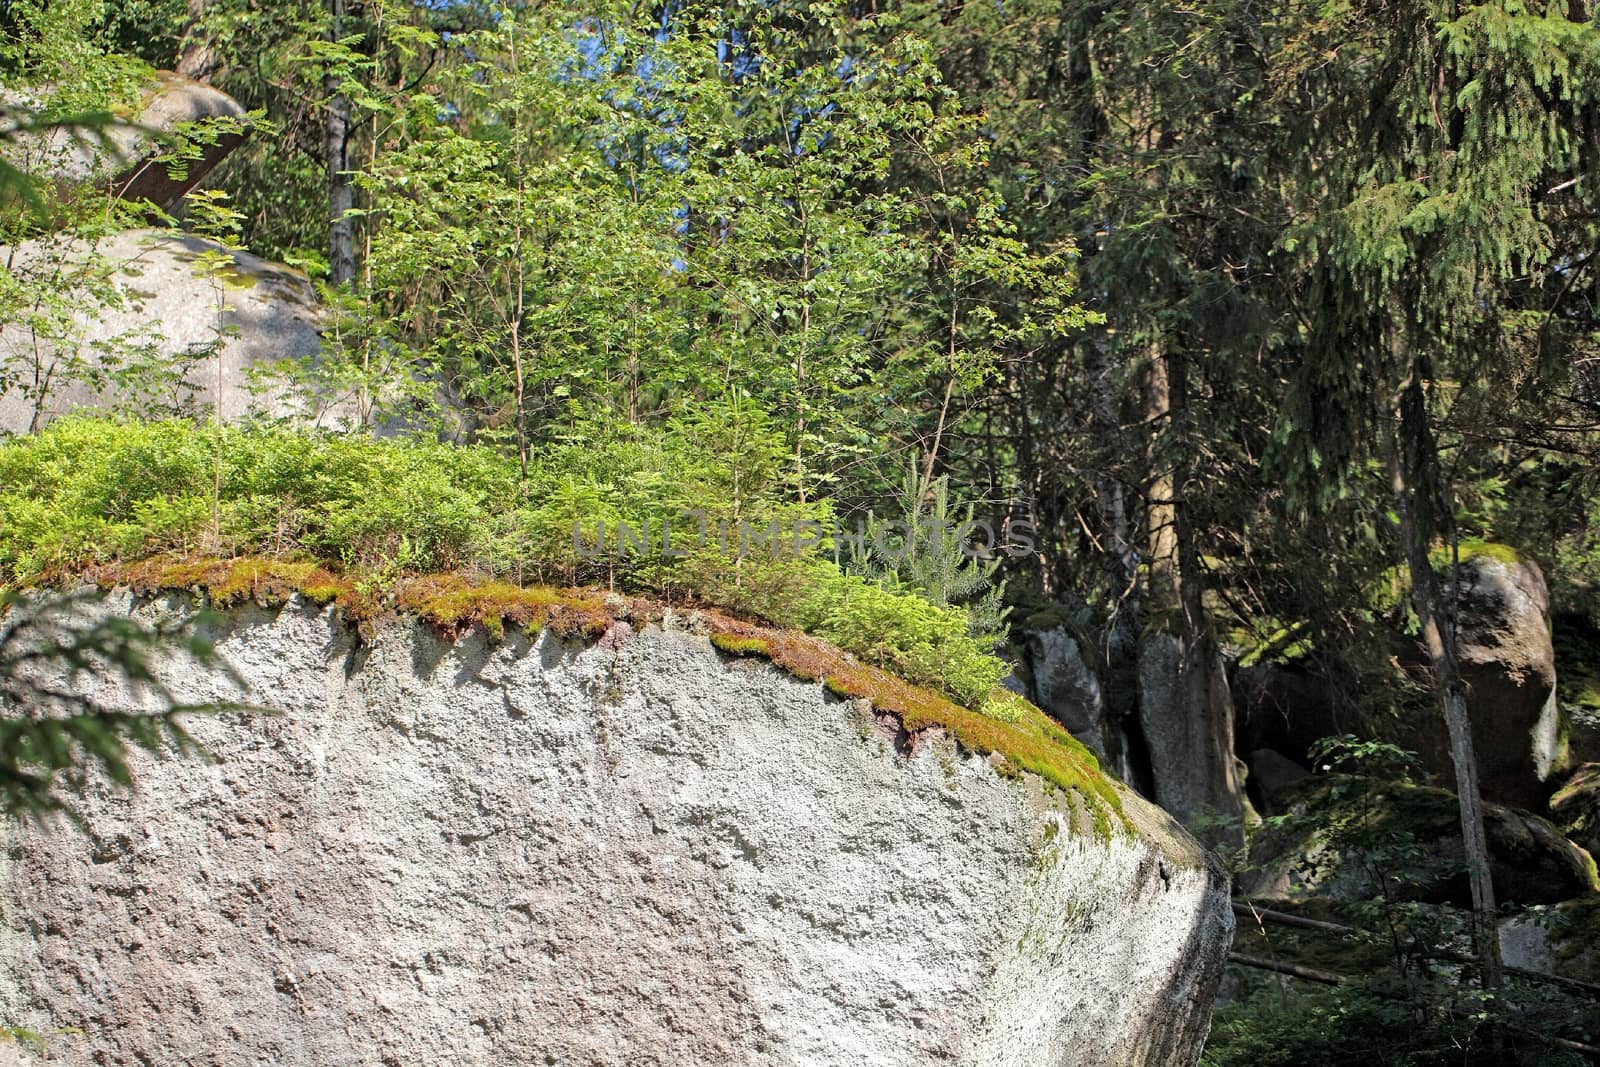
{"x": 1352, "y": 831}
{"x": 1563, "y": 941}
{"x": 123, "y": 156}
{"x": 637, "y": 852}
{"x": 1274, "y": 778}
{"x": 146, "y": 326}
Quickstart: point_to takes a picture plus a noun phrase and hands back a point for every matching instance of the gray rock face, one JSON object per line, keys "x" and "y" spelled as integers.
{"x": 550, "y": 853}
{"x": 144, "y": 326}
{"x": 1185, "y": 710}
{"x": 1055, "y": 672}
{"x": 122, "y": 156}
{"x": 1507, "y": 662}
{"x": 1561, "y": 941}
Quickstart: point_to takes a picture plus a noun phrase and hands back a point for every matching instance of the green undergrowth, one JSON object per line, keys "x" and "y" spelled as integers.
{"x": 92, "y": 491}
{"x": 449, "y": 534}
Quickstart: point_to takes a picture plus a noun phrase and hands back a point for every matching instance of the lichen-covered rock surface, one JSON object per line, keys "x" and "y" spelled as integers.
{"x": 548, "y": 852}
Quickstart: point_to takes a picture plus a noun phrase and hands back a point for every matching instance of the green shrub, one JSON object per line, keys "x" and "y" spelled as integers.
{"x": 1377, "y": 1025}
{"x": 90, "y": 490}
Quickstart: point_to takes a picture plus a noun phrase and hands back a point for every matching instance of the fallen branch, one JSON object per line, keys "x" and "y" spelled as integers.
{"x": 1251, "y": 911}
{"x": 1293, "y": 970}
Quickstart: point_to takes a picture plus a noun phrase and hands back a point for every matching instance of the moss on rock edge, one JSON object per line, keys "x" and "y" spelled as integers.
{"x": 1017, "y": 736}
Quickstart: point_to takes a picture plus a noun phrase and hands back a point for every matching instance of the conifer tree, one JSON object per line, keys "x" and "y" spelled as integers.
{"x": 1444, "y": 193}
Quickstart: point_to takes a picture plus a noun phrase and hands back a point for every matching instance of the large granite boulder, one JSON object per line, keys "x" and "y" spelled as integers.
{"x": 637, "y": 852}
{"x": 1508, "y": 665}
{"x": 146, "y": 322}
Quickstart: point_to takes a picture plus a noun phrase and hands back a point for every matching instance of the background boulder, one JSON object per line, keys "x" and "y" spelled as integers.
{"x": 122, "y": 156}
{"x": 143, "y": 325}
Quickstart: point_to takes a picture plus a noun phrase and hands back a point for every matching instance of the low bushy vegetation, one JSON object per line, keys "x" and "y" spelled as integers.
{"x": 96, "y": 491}
{"x": 1378, "y": 1024}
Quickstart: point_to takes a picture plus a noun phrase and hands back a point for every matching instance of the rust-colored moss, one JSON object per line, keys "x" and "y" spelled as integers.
{"x": 741, "y": 644}
{"x": 455, "y": 602}
{"x": 1021, "y": 735}
{"x": 228, "y": 581}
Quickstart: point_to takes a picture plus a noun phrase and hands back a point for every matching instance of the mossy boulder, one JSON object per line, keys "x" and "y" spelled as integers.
{"x": 1576, "y": 806}
{"x": 648, "y": 849}
{"x": 1353, "y": 838}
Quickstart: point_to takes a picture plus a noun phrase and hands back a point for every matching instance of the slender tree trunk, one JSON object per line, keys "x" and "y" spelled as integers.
{"x": 952, "y": 339}
{"x": 1185, "y": 705}
{"x": 197, "y": 56}
{"x": 1118, "y": 655}
{"x": 1119, "y": 558}
{"x": 1161, "y": 500}
{"x": 1414, "y": 478}
{"x": 335, "y": 151}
